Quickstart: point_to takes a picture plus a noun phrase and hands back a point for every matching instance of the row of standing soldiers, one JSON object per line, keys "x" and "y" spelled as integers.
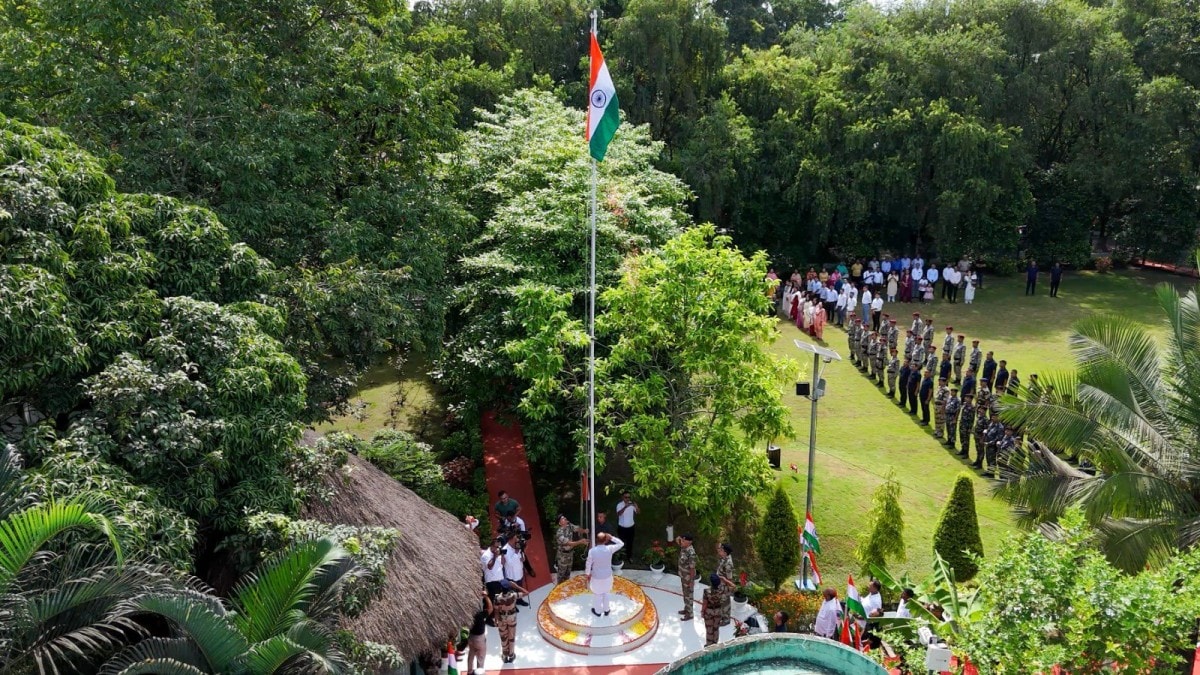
{"x": 964, "y": 407}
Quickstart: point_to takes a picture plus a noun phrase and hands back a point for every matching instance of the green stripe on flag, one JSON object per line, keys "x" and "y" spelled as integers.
{"x": 605, "y": 130}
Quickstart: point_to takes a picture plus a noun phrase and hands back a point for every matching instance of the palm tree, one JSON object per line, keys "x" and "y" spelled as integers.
{"x": 279, "y": 621}
{"x": 59, "y": 609}
{"x": 1131, "y": 409}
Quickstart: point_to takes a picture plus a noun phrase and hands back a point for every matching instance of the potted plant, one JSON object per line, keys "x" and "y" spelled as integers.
{"x": 740, "y": 600}
{"x": 656, "y": 557}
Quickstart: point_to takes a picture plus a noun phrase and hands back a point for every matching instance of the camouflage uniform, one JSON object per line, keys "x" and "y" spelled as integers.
{"x": 991, "y": 437}
{"x": 872, "y": 354}
{"x": 852, "y": 340}
{"x": 506, "y": 622}
{"x": 893, "y": 337}
{"x": 928, "y": 334}
{"x": 953, "y": 405}
{"x": 931, "y": 359}
{"x": 918, "y": 327}
{"x": 893, "y": 370}
{"x": 966, "y": 422}
{"x": 939, "y": 410}
{"x": 981, "y": 425}
{"x": 725, "y": 569}
{"x": 564, "y": 538}
{"x": 864, "y": 344}
{"x": 1006, "y": 447}
{"x": 976, "y": 359}
{"x": 711, "y": 613}
{"x": 959, "y": 357}
{"x": 687, "y": 579}
{"x": 947, "y": 346}
{"x": 880, "y": 360}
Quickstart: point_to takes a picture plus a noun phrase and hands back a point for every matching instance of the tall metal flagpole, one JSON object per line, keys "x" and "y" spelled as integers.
{"x": 592, "y": 346}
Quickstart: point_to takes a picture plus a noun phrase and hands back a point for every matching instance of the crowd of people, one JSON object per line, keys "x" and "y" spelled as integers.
{"x": 939, "y": 380}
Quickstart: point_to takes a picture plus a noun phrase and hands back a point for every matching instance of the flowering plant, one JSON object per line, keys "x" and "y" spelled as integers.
{"x": 657, "y": 554}
{"x": 1104, "y": 264}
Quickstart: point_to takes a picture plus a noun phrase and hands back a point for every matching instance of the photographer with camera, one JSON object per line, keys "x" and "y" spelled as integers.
{"x": 513, "y": 557}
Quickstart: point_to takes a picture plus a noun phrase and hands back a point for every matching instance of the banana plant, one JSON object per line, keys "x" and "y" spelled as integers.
{"x": 958, "y": 607}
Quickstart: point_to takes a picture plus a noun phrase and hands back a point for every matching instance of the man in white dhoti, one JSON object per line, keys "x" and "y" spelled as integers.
{"x": 599, "y": 571}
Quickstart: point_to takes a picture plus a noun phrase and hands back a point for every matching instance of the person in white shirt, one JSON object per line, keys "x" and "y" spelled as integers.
{"x": 876, "y": 312}
{"x": 626, "y": 510}
{"x": 493, "y": 568}
{"x": 947, "y": 271}
{"x": 931, "y": 275}
{"x": 829, "y": 615}
{"x": 902, "y": 611}
{"x": 866, "y": 304}
{"x": 512, "y": 558}
{"x": 872, "y": 603}
{"x": 951, "y": 278}
{"x": 599, "y": 571}
{"x": 840, "y": 306}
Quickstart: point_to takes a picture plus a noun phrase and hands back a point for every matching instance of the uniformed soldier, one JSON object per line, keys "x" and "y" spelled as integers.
{"x": 565, "y": 539}
{"x": 905, "y": 371}
{"x": 710, "y": 610}
{"x": 991, "y": 440}
{"x": 918, "y": 350}
{"x": 864, "y": 344}
{"x": 852, "y": 339}
{"x": 969, "y": 383}
{"x": 948, "y": 344}
{"x": 944, "y": 369}
{"x": 981, "y": 424}
{"x": 893, "y": 369}
{"x": 687, "y": 574}
{"x": 914, "y": 385}
{"x": 929, "y": 332}
{"x": 1007, "y": 445}
{"x": 939, "y": 408}
{"x": 872, "y": 354}
{"x": 931, "y": 358}
{"x": 953, "y": 404}
{"x": 909, "y": 343}
{"x": 725, "y": 580}
{"x": 1002, "y": 376}
{"x": 893, "y": 335}
{"x": 506, "y": 622}
{"x": 926, "y": 396}
{"x": 881, "y": 357}
{"x": 1014, "y": 383}
{"x": 959, "y": 357}
{"x": 966, "y": 424}
{"x": 918, "y": 326}
{"x": 976, "y": 357}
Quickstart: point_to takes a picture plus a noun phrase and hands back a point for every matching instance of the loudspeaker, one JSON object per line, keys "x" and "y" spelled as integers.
{"x": 803, "y": 388}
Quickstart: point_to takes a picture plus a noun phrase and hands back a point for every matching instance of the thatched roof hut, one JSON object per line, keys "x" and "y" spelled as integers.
{"x": 433, "y": 577}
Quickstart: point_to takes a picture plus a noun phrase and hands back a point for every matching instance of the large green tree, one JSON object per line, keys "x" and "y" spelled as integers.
{"x": 1130, "y": 410}
{"x": 686, "y": 387}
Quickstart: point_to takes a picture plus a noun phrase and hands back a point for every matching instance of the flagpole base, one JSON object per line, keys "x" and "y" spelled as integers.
{"x": 810, "y": 586}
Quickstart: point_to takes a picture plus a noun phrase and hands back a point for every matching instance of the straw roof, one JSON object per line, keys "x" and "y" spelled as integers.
{"x": 433, "y": 577}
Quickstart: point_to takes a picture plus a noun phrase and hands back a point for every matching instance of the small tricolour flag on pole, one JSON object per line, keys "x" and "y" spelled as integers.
{"x": 811, "y": 541}
{"x": 451, "y": 660}
{"x": 850, "y": 634}
{"x": 603, "y": 117}
{"x": 812, "y": 566}
{"x": 853, "y": 601}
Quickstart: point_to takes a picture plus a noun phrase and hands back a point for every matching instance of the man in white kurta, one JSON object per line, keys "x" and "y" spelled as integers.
{"x": 599, "y": 571}
{"x": 827, "y": 618}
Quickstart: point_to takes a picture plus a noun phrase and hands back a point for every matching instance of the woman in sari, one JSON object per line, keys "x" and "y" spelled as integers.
{"x": 819, "y": 319}
{"x": 905, "y": 287}
{"x": 794, "y": 308}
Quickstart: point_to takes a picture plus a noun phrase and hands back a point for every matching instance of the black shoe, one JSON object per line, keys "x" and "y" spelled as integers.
{"x": 595, "y": 612}
{"x": 606, "y": 614}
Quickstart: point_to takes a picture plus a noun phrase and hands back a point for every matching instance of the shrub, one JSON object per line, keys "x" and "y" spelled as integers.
{"x": 777, "y": 543}
{"x": 801, "y": 607}
{"x": 458, "y": 472}
{"x": 459, "y": 503}
{"x": 884, "y": 537}
{"x": 957, "y": 538}
{"x": 403, "y": 458}
{"x": 1104, "y": 265}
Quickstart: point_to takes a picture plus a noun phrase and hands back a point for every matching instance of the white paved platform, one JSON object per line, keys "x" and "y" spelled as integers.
{"x": 674, "y": 639}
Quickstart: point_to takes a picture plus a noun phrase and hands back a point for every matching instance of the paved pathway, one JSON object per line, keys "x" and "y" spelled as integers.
{"x": 506, "y": 468}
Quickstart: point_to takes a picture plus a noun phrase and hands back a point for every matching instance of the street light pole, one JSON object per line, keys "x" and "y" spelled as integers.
{"x": 828, "y": 356}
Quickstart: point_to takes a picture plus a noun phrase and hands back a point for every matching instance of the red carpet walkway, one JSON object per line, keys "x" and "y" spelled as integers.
{"x": 506, "y": 468}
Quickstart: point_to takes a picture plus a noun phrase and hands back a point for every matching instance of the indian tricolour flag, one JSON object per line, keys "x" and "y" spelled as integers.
{"x": 451, "y": 660}
{"x": 853, "y": 601}
{"x": 810, "y": 534}
{"x": 812, "y": 565}
{"x": 603, "y": 117}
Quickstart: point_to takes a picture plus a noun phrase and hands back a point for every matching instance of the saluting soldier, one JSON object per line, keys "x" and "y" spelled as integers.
{"x": 939, "y": 408}
{"x": 959, "y": 357}
{"x": 565, "y": 539}
{"x": 948, "y": 344}
{"x": 966, "y": 424}
{"x": 953, "y": 404}
{"x": 687, "y": 574}
{"x": 506, "y": 622}
{"x": 893, "y": 370}
{"x": 976, "y": 357}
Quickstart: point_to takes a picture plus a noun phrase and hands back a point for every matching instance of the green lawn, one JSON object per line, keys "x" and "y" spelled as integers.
{"x": 405, "y": 398}
{"x": 860, "y": 436}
